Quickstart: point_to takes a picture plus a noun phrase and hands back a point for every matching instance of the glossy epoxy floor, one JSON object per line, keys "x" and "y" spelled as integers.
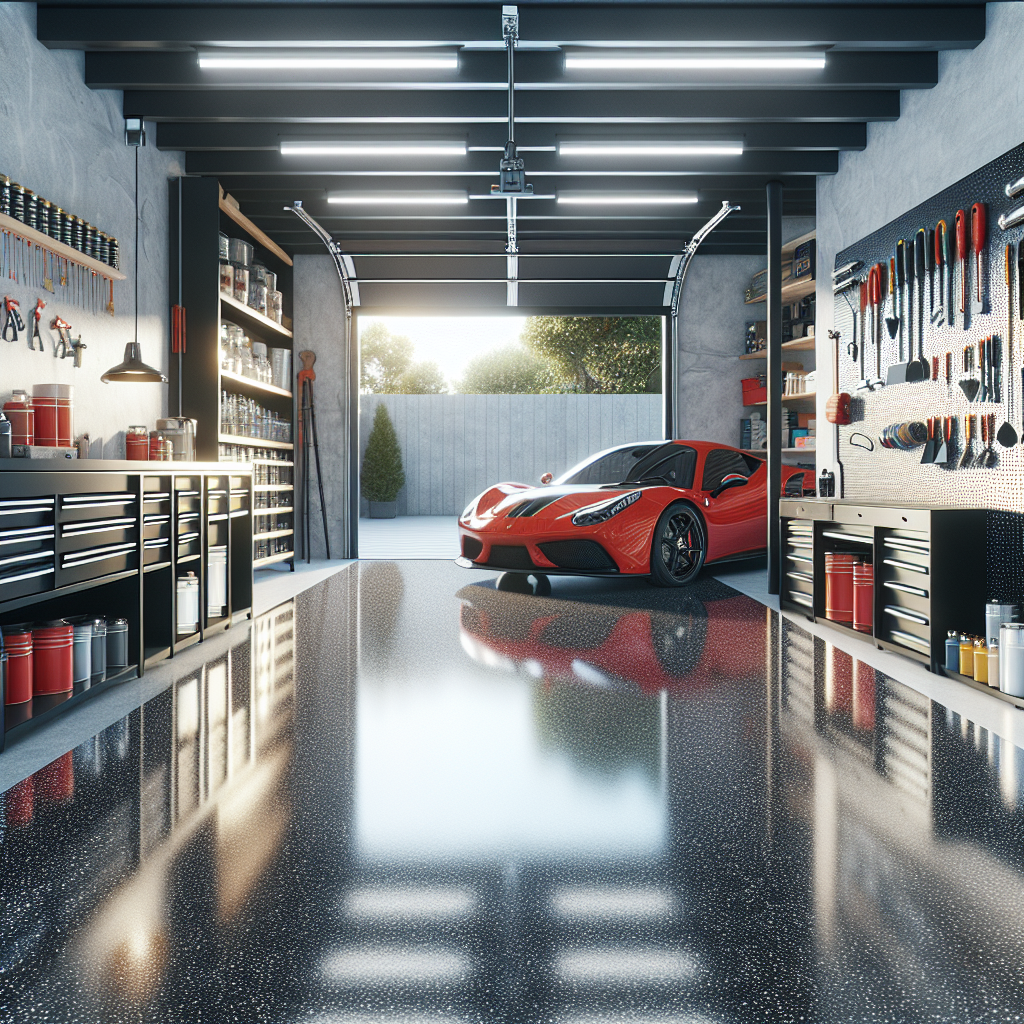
{"x": 411, "y": 798}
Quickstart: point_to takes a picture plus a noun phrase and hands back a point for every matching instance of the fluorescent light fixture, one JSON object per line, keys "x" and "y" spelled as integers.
{"x": 398, "y": 198}
{"x": 373, "y": 148}
{"x": 329, "y": 61}
{"x": 686, "y": 61}
{"x": 666, "y": 148}
{"x": 628, "y": 198}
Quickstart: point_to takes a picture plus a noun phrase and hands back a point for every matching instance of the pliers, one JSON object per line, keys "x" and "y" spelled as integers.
{"x": 13, "y": 325}
{"x": 61, "y": 349}
{"x": 36, "y": 336}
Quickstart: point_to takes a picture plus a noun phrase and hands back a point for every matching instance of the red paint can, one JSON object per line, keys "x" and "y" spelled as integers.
{"x": 863, "y": 596}
{"x": 54, "y": 414}
{"x": 18, "y": 645}
{"x": 23, "y": 418}
{"x": 839, "y": 586}
{"x": 136, "y": 444}
{"x": 53, "y": 653}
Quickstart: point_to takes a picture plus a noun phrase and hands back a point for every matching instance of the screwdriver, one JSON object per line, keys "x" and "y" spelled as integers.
{"x": 960, "y": 225}
{"x": 979, "y": 225}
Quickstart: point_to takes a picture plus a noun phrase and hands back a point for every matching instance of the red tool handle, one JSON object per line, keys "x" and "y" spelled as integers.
{"x": 960, "y": 224}
{"x": 864, "y": 293}
{"x": 875, "y": 284}
{"x": 940, "y": 235}
{"x": 979, "y": 226}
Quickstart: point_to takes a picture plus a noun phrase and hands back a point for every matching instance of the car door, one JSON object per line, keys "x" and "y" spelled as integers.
{"x": 738, "y": 517}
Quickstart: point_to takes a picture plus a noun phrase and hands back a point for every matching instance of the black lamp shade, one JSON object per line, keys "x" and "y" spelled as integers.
{"x": 133, "y": 370}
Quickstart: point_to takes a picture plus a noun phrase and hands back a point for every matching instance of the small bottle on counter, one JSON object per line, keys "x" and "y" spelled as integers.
{"x": 952, "y": 651}
{"x": 966, "y": 655}
{"x": 993, "y": 664}
{"x": 980, "y": 662}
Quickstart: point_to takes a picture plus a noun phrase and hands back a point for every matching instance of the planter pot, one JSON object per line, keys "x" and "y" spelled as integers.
{"x": 383, "y": 509}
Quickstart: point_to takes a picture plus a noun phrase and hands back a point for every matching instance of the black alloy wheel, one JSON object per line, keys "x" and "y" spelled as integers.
{"x": 679, "y": 546}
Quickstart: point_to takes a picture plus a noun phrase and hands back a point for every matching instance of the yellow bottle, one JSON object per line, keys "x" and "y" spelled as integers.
{"x": 966, "y": 655}
{"x": 980, "y": 662}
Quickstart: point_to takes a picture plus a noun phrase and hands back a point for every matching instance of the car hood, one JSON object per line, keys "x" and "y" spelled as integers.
{"x": 549, "y": 502}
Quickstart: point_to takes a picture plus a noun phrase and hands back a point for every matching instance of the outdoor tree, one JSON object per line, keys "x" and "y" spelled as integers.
{"x": 598, "y": 355}
{"x": 506, "y": 371}
{"x": 382, "y": 476}
{"x": 385, "y": 357}
{"x": 423, "y": 378}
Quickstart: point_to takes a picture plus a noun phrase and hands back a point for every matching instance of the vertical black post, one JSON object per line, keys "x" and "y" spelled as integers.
{"x": 774, "y": 408}
{"x": 669, "y": 330}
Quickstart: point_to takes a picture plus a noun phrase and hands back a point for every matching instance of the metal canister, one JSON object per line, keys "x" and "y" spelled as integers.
{"x": 91, "y": 240}
{"x": 44, "y": 215}
{"x": 115, "y": 254}
{"x": 31, "y": 208}
{"x": 78, "y": 233}
{"x": 117, "y": 644}
{"x": 993, "y": 664}
{"x": 53, "y": 658}
{"x": 67, "y": 225}
{"x": 980, "y": 661}
{"x": 995, "y": 615}
{"x": 99, "y": 649}
{"x": 966, "y": 655}
{"x": 103, "y": 248}
{"x": 1011, "y": 658}
{"x": 18, "y": 201}
{"x": 952, "y": 651}
{"x": 83, "y": 655}
{"x": 839, "y": 586}
{"x": 863, "y": 596}
{"x": 5, "y": 195}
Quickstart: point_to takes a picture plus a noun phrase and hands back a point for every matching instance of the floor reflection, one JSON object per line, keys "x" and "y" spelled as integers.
{"x": 403, "y": 799}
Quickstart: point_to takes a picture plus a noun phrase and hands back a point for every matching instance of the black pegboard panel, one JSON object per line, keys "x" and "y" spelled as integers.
{"x": 888, "y": 476}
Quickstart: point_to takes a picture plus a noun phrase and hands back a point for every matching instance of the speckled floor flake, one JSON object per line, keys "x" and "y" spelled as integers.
{"x": 408, "y": 798}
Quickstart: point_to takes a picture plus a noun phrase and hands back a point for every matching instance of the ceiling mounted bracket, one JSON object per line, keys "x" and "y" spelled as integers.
{"x": 345, "y": 267}
{"x": 682, "y": 263}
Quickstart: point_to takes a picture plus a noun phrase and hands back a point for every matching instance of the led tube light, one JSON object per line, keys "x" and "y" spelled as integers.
{"x": 373, "y": 148}
{"x": 327, "y": 62}
{"x": 628, "y": 198}
{"x": 609, "y": 61}
{"x": 650, "y": 149}
{"x": 398, "y": 198}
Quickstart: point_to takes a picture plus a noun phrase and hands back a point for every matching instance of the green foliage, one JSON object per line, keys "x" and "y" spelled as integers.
{"x": 423, "y": 378}
{"x": 382, "y": 476}
{"x": 506, "y": 371}
{"x": 598, "y": 355}
{"x": 385, "y": 357}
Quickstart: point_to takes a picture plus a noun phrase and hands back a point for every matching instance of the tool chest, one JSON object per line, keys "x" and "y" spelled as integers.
{"x": 928, "y": 569}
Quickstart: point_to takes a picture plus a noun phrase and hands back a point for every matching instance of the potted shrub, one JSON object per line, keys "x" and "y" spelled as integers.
{"x": 382, "y": 476}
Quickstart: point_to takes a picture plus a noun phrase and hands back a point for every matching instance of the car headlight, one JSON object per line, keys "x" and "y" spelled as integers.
{"x": 469, "y": 509}
{"x": 591, "y": 515}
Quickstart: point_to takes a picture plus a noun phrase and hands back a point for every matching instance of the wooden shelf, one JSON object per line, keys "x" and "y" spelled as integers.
{"x": 250, "y": 318}
{"x": 65, "y": 252}
{"x": 279, "y": 511}
{"x": 791, "y": 291}
{"x": 281, "y": 556}
{"x": 254, "y": 442}
{"x": 256, "y": 385}
{"x": 251, "y": 230}
{"x": 272, "y": 534}
{"x": 796, "y": 345}
{"x": 787, "y": 398}
{"x": 273, "y": 487}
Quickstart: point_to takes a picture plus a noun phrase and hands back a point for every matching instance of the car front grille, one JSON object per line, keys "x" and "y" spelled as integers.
{"x": 579, "y": 554}
{"x": 510, "y": 556}
{"x": 471, "y": 548}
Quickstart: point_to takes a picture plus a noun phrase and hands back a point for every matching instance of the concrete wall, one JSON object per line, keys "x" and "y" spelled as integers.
{"x": 712, "y": 328}
{"x": 455, "y": 446}
{"x": 972, "y": 116}
{"x": 318, "y": 325}
{"x": 66, "y": 142}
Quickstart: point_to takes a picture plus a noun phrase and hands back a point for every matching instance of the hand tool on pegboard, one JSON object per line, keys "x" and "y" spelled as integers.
{"x": 922, "y": 259}
{"x": 62, "y": 347}
{"x": 968, "y": 456}
{"x": 928, "y": 455}
{"x": 979, "y": 236}
{"x": 13, "y": 324}
{"x": 969, "y": 384}
{"x": 905, "y": 371}
{"x": 875, "y": 301}
{"x": 37, "y": 314}
{"x": 944, "y": 271}
{"x": 1007, "y": 435}
{"x": 863, "y": 384}
{"x": 1011, "y": 218}
{"x": 892, "y": 322}
{"x": 942, "y": 449}
{"x": 307, "y": 435}
{"x": 77, "y": 348}
{"x": 960, "y": 228}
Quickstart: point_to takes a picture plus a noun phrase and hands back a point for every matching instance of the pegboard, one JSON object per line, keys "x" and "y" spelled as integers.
{"x": 889, "y": 476}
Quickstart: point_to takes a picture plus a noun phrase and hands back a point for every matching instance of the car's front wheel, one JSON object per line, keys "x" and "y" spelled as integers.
{"x": 679, "y": 546}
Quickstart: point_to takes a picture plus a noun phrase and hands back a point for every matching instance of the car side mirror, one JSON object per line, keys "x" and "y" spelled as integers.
{"x": 730, "y": 480}
{"x": 546, "y": 478}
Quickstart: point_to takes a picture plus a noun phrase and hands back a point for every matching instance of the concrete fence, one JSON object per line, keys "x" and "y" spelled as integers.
{"x": 454, "y": 446}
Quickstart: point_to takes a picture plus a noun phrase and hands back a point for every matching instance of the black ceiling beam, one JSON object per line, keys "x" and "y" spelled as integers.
{"x": 878, "y": 27}
{"x": 561, "y": 107}
{"x": 538, "y": 165}
{"x": 177, "y": 70}
{"x": 808, "y": 136}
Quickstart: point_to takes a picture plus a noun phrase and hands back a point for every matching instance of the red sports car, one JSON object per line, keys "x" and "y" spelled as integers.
{"x": 660, "y": 509}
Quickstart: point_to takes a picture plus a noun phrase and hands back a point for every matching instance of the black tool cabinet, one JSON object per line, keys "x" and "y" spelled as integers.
{"x": 929, "y": 569}
{"x": 111, "y": 539}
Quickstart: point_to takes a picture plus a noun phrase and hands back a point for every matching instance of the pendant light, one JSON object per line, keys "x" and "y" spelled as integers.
{"x": 132, "y": 370}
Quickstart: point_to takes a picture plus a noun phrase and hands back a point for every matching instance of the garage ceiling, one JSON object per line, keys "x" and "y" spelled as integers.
{"x": 792, "y": 125}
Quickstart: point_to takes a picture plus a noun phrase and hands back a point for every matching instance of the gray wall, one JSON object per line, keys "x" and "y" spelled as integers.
{"x": 455, "y": 446}
{"x": 973, "y": 115}
{"x": 66, "y": 142}
{"x": 318, "y": 325}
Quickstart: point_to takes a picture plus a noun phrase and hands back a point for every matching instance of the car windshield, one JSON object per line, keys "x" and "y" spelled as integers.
{"x": 670, "y": 463}
{"x": 609, "y": 467}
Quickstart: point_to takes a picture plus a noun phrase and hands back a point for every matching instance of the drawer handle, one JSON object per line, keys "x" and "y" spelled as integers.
{"x": 26, "y": 504}
{"x": 802, "y": 545}
{"x": 33, "y": 556}
{"x": 907, "y": 548}
{"x": 801, "y": 599}
{"x": 96, "y": 526}
{"x": 907, "y": 542}
{"x": 896, "y": 564}
{"x": 805, "y": 577}
{"x": 792, "y": 558}
{"x": 152, "y": 520}
{"x": 27, "y": 575}
{"x": 186, "y": 494}
{"x": 902, "y": 613}
{"x": 855, "y": 538}
{"x": 157, "y": 542}
{"x": 906, "y": 588}
{"x": 28, "y": 533}
{"x": 95, "y": 555}
{"x": 87, "y": 499}
{"x": 909, "y": 638}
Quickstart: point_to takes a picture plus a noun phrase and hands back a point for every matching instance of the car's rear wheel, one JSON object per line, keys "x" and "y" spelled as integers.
{"x": 679, "y": 546}
{"x": 535, "y": 583}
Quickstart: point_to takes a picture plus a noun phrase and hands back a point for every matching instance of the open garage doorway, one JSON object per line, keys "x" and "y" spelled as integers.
{"x": 450, "y": 405}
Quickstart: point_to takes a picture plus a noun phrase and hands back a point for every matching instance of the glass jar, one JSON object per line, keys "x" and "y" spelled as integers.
{"x": 241, "y": 284}
{"x": 275, "y": 306}
{"x": 227, "y": 278}
{"x": 258, "y": 296}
